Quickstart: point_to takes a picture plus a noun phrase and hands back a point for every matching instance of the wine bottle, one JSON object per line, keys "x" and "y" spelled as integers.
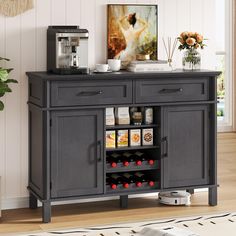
{"x": 110, "y": 181}
{"x": 151, "y": 183}
{"x": 127, "y": 158}
{"x": 139, "y": 158}
{"x": 150, "y": 160}
{"x": 114, "y": 159}
{"x": 109, "y": 161}
{"x": 129, "y": 178}
{"x": 117, "y": 178}
{"x": 140, "y": 176}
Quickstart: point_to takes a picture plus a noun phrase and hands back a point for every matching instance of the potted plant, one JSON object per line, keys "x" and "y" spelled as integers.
{"x": 191, "y": 42}
{"x": 4, "y": 81}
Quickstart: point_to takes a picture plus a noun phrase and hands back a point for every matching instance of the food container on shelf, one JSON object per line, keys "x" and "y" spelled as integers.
{"x": 110, "y": 117}
{"x": 122, "y": 138}
{"x": 135, "y": 137}
{"x": 147, "y": 137}
{"x": 122, "y": 116}
{"x": 111, "y": 139}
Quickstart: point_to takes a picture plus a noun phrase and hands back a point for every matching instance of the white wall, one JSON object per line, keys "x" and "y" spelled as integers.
{"x": 23, "y": 40}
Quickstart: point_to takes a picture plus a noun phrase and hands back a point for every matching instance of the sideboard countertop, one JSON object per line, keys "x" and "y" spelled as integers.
{"x": 124, "y": 74}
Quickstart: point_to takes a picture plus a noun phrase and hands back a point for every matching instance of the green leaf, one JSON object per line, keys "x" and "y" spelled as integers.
{"x": 11, "y": 81}
{"x": 4, "y": 81}
{"x": 3, "y": 75}
{"x": 9, "y": 70}
{"x": 1, "y": 106}
{"x": 4, "y": 88}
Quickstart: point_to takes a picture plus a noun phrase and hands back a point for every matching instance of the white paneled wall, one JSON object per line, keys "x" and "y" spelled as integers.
{"x": 23, "y": 40}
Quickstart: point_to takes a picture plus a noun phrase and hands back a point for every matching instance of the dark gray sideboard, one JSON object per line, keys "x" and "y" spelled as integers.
{"x": 67, "y": 154}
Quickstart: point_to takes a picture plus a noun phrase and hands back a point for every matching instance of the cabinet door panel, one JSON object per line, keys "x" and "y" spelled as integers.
{"x": 186, "y": 158}
{"x": 77, "y": 150}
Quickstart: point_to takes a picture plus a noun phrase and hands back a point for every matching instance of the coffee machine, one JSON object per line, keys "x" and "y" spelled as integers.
{"x": 67, "y": 50}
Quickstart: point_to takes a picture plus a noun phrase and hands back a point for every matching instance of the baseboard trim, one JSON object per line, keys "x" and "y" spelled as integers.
{"x": 14, "y": 203}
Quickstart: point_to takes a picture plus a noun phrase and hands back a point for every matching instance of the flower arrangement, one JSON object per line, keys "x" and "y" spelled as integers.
{"x": 4, "y": 81}
{"x": 191, "y": 40}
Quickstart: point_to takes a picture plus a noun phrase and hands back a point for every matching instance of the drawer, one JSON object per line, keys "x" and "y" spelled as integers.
{"x": 169, "y": 90}
{"x": 73, "y": 93}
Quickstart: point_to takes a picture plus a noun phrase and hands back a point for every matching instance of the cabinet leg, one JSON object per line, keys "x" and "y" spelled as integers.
{"x": 33, "y": 202}
{"x": 191, "y": 191}
{"x": 46, "y": 212}
{"x": 124, "y": 201}
{"x": 212, "y": 196}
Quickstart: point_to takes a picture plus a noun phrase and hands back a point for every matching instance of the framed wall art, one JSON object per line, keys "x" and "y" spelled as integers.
{"x": 132, "y": 31}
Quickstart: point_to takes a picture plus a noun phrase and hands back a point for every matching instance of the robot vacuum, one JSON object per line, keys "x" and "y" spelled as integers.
{"x": 175, "y": 198}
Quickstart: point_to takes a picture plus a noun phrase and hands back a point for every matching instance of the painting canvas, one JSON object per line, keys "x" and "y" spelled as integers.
{"x": 132, "y": 30}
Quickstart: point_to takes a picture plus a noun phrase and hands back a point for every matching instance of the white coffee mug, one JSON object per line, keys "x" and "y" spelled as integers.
{"x": 114, "y": 64}
{"x": 102, "y": 67}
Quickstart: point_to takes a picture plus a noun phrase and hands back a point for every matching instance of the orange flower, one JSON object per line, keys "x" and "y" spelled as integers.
{"x": 199, "y": 38}
{"x": 181, "y": 40}
{"x": 191, "y": 41}
{"x": 184, "y": 34}
{"x": 190, "y": 34}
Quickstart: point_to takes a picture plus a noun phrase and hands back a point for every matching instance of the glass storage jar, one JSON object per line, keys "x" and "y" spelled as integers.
{"x": 191, "y": 59}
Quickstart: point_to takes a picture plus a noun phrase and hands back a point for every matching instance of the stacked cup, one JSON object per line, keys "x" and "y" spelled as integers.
{"x": 113, "y": 65}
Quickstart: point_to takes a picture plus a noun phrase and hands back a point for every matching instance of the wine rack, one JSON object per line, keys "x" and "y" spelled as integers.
{"x": 152, "y": 182}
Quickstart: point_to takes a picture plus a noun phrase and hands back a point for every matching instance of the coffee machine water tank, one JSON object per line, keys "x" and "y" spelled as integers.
{"x": 67, "y": 50}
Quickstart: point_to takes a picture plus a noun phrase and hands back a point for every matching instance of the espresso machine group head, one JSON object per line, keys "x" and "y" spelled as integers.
{"x": 67, "y": 50}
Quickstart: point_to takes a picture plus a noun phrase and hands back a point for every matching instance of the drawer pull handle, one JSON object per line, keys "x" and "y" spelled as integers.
{"x": 89, "y": 93}
{"x": 178, "y": 90}
{"x": 99, "y": 157}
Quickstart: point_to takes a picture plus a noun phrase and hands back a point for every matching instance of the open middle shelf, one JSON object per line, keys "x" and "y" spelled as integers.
{"x": 117, "y": 127}
{"x": 131, "y": 148}
{"x": 131, "y": 133}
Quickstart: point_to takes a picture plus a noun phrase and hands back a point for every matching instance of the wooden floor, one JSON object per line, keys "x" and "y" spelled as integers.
{"x": 107, "y": 212}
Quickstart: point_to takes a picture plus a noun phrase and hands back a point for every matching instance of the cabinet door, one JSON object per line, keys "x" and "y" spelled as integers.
{"x": 185, "y": 144}
{"x": 77, "y": 152}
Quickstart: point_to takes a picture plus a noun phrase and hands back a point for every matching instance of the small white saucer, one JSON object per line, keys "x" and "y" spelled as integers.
{"x": 95, "y": 71}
